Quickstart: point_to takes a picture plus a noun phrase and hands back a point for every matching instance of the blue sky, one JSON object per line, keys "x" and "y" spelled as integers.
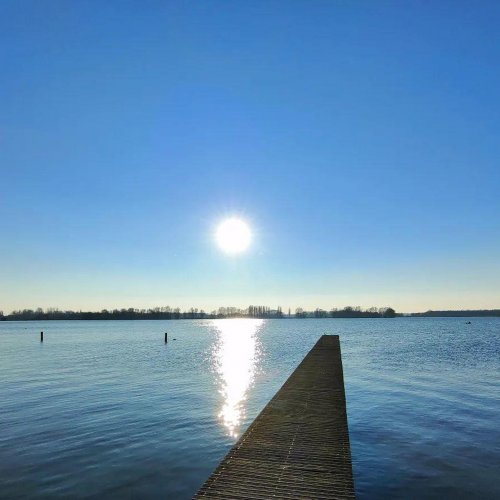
{"x": 359, "y": 139}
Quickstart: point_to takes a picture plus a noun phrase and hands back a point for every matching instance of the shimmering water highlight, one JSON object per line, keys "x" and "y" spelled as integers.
{"x": 105, "y": 408}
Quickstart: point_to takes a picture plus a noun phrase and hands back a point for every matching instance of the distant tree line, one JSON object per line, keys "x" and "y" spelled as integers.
{"x": 464, "y": 313}
{"x": 105, "y": 314}
{"x": 229, "y": 312}
{"x": 348, "y": 312}
{"x": 193, "y": 313}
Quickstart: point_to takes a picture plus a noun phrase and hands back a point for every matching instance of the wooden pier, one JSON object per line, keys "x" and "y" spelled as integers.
{"x": 298, "y": 446}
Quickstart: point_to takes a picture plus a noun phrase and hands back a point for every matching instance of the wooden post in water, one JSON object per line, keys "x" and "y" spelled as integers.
{"x": 166, "y": 337}
{"x": 41, "y": 336}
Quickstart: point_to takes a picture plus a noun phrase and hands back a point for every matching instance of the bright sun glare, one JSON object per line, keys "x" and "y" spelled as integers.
{"x": 233, "y": 235}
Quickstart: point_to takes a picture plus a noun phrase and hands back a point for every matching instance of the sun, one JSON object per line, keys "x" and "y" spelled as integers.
{"x": 233, "y": 235}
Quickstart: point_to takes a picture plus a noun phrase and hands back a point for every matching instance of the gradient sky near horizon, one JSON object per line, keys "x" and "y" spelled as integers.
{"x": 359, "y": 139}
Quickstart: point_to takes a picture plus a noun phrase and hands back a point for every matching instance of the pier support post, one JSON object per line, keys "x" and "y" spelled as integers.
{"x": 166, "y": 337}
{"x": 41, "y": 336}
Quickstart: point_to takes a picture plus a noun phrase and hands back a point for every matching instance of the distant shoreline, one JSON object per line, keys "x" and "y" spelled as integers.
{"x": 127, "y": 315}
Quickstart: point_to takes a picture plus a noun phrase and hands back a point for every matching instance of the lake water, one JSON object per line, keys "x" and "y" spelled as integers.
{"x": 106, "y": 409}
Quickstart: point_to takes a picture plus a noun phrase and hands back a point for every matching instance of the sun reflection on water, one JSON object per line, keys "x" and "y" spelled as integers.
{"x": 236, "y": 356}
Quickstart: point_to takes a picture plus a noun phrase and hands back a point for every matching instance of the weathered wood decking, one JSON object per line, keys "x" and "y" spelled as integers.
{"x": 298, "y": 447}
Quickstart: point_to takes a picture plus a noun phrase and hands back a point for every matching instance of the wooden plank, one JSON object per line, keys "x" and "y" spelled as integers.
{"x": 298, "y": 446}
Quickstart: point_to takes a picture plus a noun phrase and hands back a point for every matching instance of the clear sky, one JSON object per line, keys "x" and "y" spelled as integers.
{"x": 359, "y": 139}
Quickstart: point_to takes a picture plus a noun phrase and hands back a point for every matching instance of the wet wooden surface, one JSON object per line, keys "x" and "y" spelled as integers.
{"x": 298, "y": 446}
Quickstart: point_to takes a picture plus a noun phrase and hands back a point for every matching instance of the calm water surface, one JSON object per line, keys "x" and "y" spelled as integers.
{"x": 105, "y": 409}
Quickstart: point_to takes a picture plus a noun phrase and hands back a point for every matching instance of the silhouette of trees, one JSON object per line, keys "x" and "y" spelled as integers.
{"x": 319, "y": 313}
{"x": 299, "y": 313}
{"x": 166, "y": 312}
{"x": 169, "y": 313}
{"x": 261, "y": 312}
{"x": 389, "y": 313}
{"x": 464, "y": 313}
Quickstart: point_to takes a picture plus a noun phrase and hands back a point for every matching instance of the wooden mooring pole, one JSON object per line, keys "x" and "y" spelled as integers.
{"x": 41, "y": 336}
